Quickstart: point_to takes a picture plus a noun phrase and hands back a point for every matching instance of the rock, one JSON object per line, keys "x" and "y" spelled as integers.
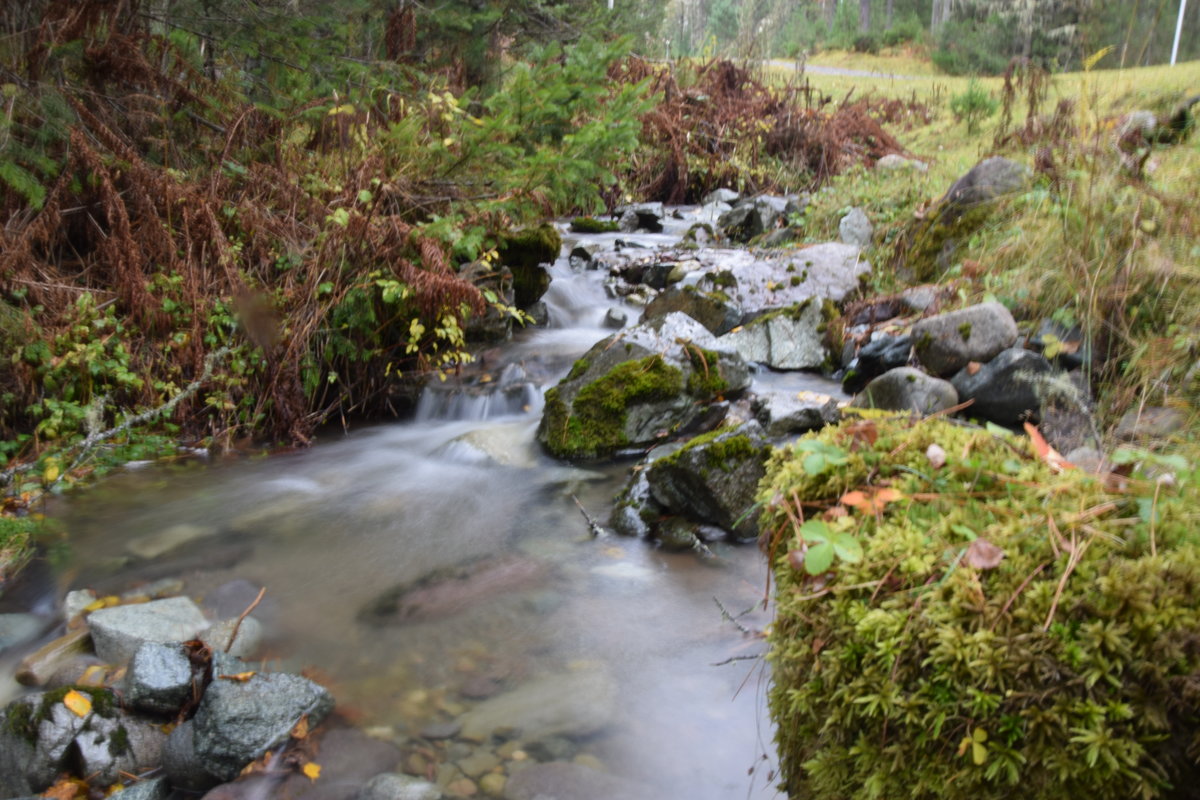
{"x": 676, "y": 534}
{"x": 784, "y": 413}
{"x": 791, "y": 338}
{"x": 713, "y": 309}
{"x": 249, "y": 637}
{"x": 477, "y": 763}
{"x": 702, "y": 233}
{"x": 963, "y": 208}
{"x": 441, "y": 730}
{"x": 907, "y": 389}
{"x": 582, "y": 256}
{"x": 856, "y": 229}
{"x": 1004, "y": 389}
{"x": 641, "y": 217}
{"x": 714, "y": 478}
{"x": 159, "y": 544}
{"x": 635, "y": 509}
{"x": 348, "y": 758}
{"x": 232, "y": 598}
{"x": 16, "y": 748}
{"x": 1064, "y": 346}
{"x": 922, "y": 298}
{"x": 635, "y": 387}
{"x": 525, "y": 252}
{"x": 492, "y": 325}
{"x": 493, "y": 784}
{"x": 894, "y": 161}
{"x": 559, "y": 781}
{"x": 781, "y": 236}
{"x": 39, "y": 667}
{"x": 828, "y": 271}
{"x": 875, "y": 358}
{"x": 948, "y": 342}
{"x": 754, "y": 216}
{"x": 239, "y": 721}
{"x": 569, "y": 704}
{"x": 539, "y": 314}
{"x": 118, "y": 632}
{"x": 148, "y": 789}
{"x": 160, "y": 678}
{"x": 17, "y": 629}
{"x": 393, "y": 786}
{"x": 1151, "y": 422}
{"x": 111, "y": 748}
{"x": 181, "y": 762}
{"x": 722, "y": 196}
{"x": 615, "y": 318}
{"x": 75, "y": 602}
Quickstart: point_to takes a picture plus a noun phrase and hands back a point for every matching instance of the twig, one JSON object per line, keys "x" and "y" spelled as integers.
{"x": 238, "y": 625}
{"x": 731, "y": 618}
{"x": 735, "y": 659}
{"x": 1076, "y": 554}
{"x": 1017, "y": 594}
{"x": 595, "y": 527}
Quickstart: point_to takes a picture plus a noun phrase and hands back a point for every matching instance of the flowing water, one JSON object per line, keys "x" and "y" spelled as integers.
{"x": 329, "y": 531}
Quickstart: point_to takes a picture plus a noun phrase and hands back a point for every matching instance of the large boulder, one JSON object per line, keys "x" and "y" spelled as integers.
{"x": 712, "y": 309}
{"x": 907, "y": 389}
{"x": 948, "y": 342}
{"x": 964, "y": 207}
{"x": 714, "y": 477}
{"x": 829, "y": 271}
{"x": 240, "y": 719}
{"x": 790, "y": 338}
{"x": 637, "y": 387}
{"x": 1005, "y": 389}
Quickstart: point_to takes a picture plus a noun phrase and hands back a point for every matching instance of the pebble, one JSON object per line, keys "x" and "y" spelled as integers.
{"x": 508, "y": 749}
{"x": 478, "y": 764}
{"x": 463, "y": 787}
{"x": 589, "y": 760}
{"x": 441, "y": 730}
{"x": 493, "y": 784}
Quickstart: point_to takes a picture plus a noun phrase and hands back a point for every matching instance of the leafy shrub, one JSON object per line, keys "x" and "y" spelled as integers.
{"x": 907, "y": 29}
{"x": 968, "y": 47}
{"x": 1004, "y": 629}
{"x": 973, "y": 105}
{"x": 866, "y": 43}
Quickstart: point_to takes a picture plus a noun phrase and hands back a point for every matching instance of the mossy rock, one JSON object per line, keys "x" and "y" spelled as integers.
{"x": 524, "y": 252}
{"x": 593, "y": 225}
{"x": 638, "y": 387}
{"x": 927, "y": 669}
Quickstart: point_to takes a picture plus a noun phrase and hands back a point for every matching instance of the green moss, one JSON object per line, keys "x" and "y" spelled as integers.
{"x": 1071, "y": 672}
{"x": 723, "y": 279}
{"x": 530, "y": 247}
{"x": 593, "y": 225}
{"x": 964, "y": 331}
{"x": 21, "y": 720}
{"x": 706, "y": 381}
{"x": 596, "y": 427}
{"x": 796, "y": 280}
{"x": 118, "y": 745}
{"x": 577, "y": 369}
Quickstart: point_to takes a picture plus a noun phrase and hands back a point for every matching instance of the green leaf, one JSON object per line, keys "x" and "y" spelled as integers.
{"x": 814, "y": 463}
{"x": 818, "y": 558}
{"x": 965, "y": 532}
{"x": 815, "y": 531}
{"x": 847, "y": 548}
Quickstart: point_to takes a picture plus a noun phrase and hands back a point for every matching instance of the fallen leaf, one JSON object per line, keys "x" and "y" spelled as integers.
{"x": 982, "y": 554}
{"x": 973, "y": 367}
{"x": 102, "y": 602}
{"x": 66, "y": 789}
{"x": 300, "y": 730}
{"x": 854, "y": 498}
{"x": 312, "y": 771}
{"x": 78, "y": 702}
{"x": 240, "y": 677}
{"x": 936, "y": 456}
{"x": 871, "y": 503}
{"x": 1045, "y": 452}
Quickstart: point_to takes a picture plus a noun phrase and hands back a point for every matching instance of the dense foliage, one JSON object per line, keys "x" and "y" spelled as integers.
{"x": 980, "y": 626}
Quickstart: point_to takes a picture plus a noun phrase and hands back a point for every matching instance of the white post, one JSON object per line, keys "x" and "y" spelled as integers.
{"x": 1178, "y": 30}
{"x": 610, "y": 5}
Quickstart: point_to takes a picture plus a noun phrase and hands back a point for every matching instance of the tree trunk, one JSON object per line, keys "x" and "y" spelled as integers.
{"x": 864, "y": 16}
{"x": 891, "y": 13}
{"x": 830, "y": 14}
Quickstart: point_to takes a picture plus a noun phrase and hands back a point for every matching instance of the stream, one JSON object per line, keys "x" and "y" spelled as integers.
{"x": 331, "y": 530}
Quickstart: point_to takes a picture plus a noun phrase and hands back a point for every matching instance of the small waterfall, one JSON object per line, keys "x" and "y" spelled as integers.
{"x": 481, "y": 397}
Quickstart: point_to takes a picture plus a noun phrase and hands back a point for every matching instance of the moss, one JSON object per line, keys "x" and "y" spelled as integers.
{"x": 596, "y": 426}
{"x": 964, "y": 330}
{"x": 577, "y": 369}
{"x": 523, "y": 252}
{"x": 21, "y": 720}
{"x": 706, "y": 381}
{"x": 723, "y": 279}
{"x": 794, "y": 311}
{"x": 118, "y": 745}
{"x": 796, "y": 280}
{"x": 1045, "y": 653}
{"x": 593, "y": 225}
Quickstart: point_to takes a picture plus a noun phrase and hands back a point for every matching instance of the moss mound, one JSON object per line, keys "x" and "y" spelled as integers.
{"x": 919, "y": 666}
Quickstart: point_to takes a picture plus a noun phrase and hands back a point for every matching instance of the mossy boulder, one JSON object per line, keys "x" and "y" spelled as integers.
{"x": 525, "y": 252}
{"x": 946, "y": 343}
{"x": 713, "y": 309}
{"x": 786, "y": 338}
{"x": 932, "y": 241}
{"x": 638, "y": 387}
{"x": 714, "y": 478}
{"x": 1005, "y": 631}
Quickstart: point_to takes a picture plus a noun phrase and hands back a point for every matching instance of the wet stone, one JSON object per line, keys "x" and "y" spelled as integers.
{"x": 118, "y": 632}
{"x": 150, "y": 789}
{"x": 393, "y": 786}
{"x": 160, "y": 678}
{"x": 441, "y": 730}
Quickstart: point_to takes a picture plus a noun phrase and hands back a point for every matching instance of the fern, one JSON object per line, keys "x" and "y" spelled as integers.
{"x": 23, "y": 182}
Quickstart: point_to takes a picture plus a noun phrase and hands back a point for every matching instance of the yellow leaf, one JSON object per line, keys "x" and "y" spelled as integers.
{"x": 240, "y": 677}
{"x": 78, "y": 702}
{"x": 103, "y": 602}
{"x": 300, "y": 729}
{"x": 51, "y": 473}
{"x": 312, "y": 771}
{"x": 978, "y": 753}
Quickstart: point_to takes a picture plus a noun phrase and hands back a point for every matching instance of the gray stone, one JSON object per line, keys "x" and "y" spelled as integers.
{"x": 989, "y": 179}
{"x": 160, "y": 678}
{"x": 149, "y": 789}
{"x": 441, "y": 730}
{"x": 159, "y": 544}
{"x": 559, "y": 781}
{"x": 615, "y": 318}
{"x": 569, "y": 704}
{"x": 641, "y": 217}
{"x": 635, "y": 508}
{"x": 748, "y": 219}
{"x": 702, "y": 232}
{"x": 1151, "y": 422}
{"x": 551, "y": 748}
{"x": 828, "y": 271}
{"x": 1064, "y": 346}
{"x": 182, "y": 764}
{"x": 875, "y": 358}
{"x": 791, "y": 338}
{"x": 393, "y": 786}
{"x": 714, "y": 478}
{"x": 784, "y": 413}
{"x": 948, "y": 342}
{"x": 722, "y": 196}
{"x": 239, "y": 721}
{"x": 17, "y": 629}
{"x": 1005, "y": 389}
{"x": 582, "y": 256}
{"x": 348, "y": 758}
{"x": 856, "y": 229}
{"x": 677, "y": 534}
{"x": 539, "y": 314}
{"x": 714, "y": 310}
{"x": 118, "y": 632}
{"x": 645, "y": 417}
{"x": 894, "y": 161}
{"x": 75, "y": 602}
{"x": 110, "y": 748}
{"x": 16, "y": 751}
{"x": 249, "y": 637}
{"x": 907, "y": 389}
